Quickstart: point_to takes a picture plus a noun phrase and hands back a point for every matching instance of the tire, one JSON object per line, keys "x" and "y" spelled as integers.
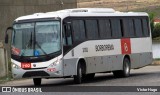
{"x": 78, "y": 77}
{"x": 37, "y": 81}
{"x": 126, "y": 69}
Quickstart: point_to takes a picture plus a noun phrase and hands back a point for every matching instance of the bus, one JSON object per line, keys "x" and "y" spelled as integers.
{"x": 78, "y": 43}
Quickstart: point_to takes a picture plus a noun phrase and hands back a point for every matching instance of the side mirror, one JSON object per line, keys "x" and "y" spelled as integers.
{"x": 6, "y": 37}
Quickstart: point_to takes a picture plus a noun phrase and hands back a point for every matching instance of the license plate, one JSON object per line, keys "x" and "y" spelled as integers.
{"x": 51, "y": 69}
{"x": 25, "y": 65}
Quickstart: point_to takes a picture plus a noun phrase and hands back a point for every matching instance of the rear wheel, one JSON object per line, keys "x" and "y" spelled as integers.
{"x": 37, "y": 81}
{"x": 78, "y": 77}
{"x": 126, "y": 69}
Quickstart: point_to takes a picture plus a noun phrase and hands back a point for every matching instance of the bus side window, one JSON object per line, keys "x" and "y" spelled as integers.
{"x": 138, "y": 27}
{"x": 104, "y": 28}
{"x": 116, "y": 28}
{"x": 131, "y": 28}
{"x": 92, "y": 29}
{"x": 145, "y": 27}
{"x": 78, "y": 30}
{"x": 68, "y": 34}
{"x": 64, "y": 37}
{"x": 128, "y": 28}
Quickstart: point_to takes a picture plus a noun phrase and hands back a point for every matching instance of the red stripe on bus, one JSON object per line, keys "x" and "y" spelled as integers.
{"x": 126, "y": 46}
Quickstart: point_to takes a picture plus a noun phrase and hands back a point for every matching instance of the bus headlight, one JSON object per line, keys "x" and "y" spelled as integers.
{"x": 15, "y": 66}
{"x": 54, "y": 64}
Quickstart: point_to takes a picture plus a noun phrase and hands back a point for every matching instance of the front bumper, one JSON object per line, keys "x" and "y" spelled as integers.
{"x": 36, "y": 73}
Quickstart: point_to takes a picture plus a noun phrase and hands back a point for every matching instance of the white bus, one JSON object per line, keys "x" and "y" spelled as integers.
{"x": 79, "y": 43}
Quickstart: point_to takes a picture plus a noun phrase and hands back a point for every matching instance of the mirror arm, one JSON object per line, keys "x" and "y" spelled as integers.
{"x": 6, "y": 34}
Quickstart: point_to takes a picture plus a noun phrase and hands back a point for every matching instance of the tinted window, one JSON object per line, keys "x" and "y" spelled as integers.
{"x": 92, "y": 29}
{"x": 116, "y": 28}
{"x": 104, "y": 28}
{"x": 68, "y": 39}
{"x": 131, "y": 28}
{"x": 128, "y": 28}
{"x": 64, "y": 38}
{"x": 125, "y": 24}
{"x": 78, "y": 30}
{"x": 145, "y": 27}
{"x": 138, "y": 27}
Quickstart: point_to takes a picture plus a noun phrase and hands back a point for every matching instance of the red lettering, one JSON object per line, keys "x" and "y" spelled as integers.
{"x": 25, "y": 65}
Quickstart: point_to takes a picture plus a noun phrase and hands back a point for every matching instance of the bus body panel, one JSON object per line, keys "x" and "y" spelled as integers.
{"x": 69, "y": 66}
{"x": 104, "y": 63}
{"x": 101, "y": 61}
{"x": 140, "y": 45}
{"x": 140, "y": 59}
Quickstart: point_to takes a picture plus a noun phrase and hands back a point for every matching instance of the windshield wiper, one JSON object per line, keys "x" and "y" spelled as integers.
{"x": 30, "y": 42}
{"x": 36, "y": 43}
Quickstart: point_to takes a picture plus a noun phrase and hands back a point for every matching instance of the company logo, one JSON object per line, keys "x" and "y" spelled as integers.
{"x": 6, "y": 89}
{"x": 21, "y": 89}
{"x": 126, "y": 46}
{"x": 34, "y": 65}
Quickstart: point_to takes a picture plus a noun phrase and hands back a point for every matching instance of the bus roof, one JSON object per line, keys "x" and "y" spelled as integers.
{"x": 80, "y": 12}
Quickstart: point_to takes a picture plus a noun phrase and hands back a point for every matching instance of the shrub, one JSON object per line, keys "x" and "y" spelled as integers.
{"x": 156, "y": 31}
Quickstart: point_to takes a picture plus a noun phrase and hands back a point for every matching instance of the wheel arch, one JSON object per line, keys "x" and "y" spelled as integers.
{"x": 83, "y": 63}
{"x": 127, "y": 56}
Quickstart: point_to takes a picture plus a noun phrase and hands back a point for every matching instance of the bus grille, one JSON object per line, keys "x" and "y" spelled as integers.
{"x": 35, "y": 73}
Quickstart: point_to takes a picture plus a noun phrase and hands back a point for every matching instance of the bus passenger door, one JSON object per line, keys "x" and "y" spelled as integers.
{"x": 69, "y": 62}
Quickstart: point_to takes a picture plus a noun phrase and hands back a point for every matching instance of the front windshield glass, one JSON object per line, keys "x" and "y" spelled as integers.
{"x": 35, "y": 39}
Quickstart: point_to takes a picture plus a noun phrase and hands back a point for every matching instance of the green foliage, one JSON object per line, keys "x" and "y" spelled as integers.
{"x": 156, "y": 31}
{"x": 9, "y": 66}
{"x": 6, "y": 78}
{"x": 151, "y": 17}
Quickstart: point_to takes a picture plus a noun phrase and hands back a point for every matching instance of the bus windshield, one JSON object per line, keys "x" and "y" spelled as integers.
{"x": 36, "y": 39}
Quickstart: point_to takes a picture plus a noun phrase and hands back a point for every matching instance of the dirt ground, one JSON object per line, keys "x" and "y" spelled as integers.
{"x": 120, "y": 5}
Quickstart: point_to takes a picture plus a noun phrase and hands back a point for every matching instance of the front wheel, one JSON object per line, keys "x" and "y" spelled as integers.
{"x": 78, "y": 77}
{"x": 126, "y": 69}
{"x": 37, "y": 81}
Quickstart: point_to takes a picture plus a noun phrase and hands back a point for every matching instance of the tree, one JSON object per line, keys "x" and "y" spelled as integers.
{"x": 151, "y": 17}
{"x": 156, "y": 31}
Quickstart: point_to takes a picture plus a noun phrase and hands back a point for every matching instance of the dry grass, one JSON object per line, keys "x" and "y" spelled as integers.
{"x": 156, "y": 62}
{"x": 120, "y": 5}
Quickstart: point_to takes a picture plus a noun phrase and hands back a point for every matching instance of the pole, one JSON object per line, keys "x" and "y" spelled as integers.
{"x": 6, "y": 61}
